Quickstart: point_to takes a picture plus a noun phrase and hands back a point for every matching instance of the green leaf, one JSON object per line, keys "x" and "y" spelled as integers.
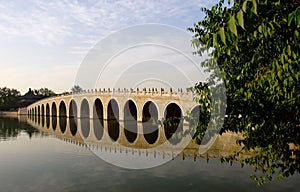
{"x": 263, "y": 2}
{"x": 298, "y": 17}
{"x": 240, "y": 17}
{"x": 273, "y": 76}
{"x": 232, "y": 26}
{"x": 254, "y": 7}
{"x": 244, "y": 6}
{"x": 289, "y": 50}
{"x": 236, "y": 47}
{"x": 284, "y": 82}
{"x": 255, "y": 34}
{"x": 290, "y": 18}
{"x": 222, "y": 35}
{"x": 282, "y": 58}
{"x": 296, "y": 33}
{"x": 215, "y": 40}
{"x": 279, "y": 74}
{"x": 285, "y": 67}
{"x": 260, "y": 29}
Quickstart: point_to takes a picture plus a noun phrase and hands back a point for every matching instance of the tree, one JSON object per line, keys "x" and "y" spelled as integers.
{"x": 256, "y": 45}
{"x": 8, "y": 99}
{"x": 44, "y": 92}
{"x": 76, "y": 89}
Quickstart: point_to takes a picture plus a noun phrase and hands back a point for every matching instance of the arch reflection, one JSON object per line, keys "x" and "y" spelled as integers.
{"x": 173, "y": 122}
{"x": 150, "y": 127}
{"x": 130, "y": 121}
{"x": 139, "y": 147}
{"x": 113, "y": 120}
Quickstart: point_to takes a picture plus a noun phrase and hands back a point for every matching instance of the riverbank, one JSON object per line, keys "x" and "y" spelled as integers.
{"x": 9, "y": 114}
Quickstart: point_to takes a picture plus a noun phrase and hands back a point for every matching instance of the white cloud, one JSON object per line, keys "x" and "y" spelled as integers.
{"x": 49, "y": 22}
{"x": 31, "y": 22}
{"x": 50, "y": 33}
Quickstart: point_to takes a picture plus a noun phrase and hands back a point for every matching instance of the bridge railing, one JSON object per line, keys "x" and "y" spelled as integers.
{"x": 137, "y": 91}
{"x": 187, "y": 94}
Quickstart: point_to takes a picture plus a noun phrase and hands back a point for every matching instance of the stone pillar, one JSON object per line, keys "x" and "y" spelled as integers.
{"x": 140, "y": 113}
{"x": 121, "y": 111}
{"x": 105, "y": 114}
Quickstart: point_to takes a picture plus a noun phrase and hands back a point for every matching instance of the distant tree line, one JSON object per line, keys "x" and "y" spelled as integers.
{"x": 44, "y": 92}
{"x": 76, "y": 89}
{"x": 9, "y": 97}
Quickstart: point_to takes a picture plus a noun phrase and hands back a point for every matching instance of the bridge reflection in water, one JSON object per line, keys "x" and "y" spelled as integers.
{"x": 111, "y": 136}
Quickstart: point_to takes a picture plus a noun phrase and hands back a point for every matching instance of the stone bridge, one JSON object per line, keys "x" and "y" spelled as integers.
{"x": 121, "y": 120}
{"x": 134, "y": 111}
{"x": 117, "y": 104}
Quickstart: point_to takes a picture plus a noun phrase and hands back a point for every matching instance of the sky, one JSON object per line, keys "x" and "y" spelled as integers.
{"x": 44, "y": 43}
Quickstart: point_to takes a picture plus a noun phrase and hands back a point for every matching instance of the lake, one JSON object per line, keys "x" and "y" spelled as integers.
{"x": 33, "y": 159}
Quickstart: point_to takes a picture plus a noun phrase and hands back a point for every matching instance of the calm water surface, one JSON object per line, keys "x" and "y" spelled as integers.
{"x": 32, "y": 160}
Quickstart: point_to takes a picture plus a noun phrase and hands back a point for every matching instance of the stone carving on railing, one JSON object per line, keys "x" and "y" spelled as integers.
{"x": 137, "y": 91}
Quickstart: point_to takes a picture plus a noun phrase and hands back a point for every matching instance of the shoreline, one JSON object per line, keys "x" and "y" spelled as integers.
{"x": 9, "y": 114}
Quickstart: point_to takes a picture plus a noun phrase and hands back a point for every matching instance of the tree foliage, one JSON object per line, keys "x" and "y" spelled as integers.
{"x": 44, "y": 92}
{"x": 8, "y": 99}
{"x": 76, "y": 89}
{"x": 256, "y": 44}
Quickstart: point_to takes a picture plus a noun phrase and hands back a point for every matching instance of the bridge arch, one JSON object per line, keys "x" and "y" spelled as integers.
{"x": 47, "y": 109}
{"x": 150, "y": 111}
{"x": 98, "y": 109}
{"x": 53, "y": 110}
{"x": 172, "y": 109}
{"x": 173, "y": 121}
{"x": 39, "y": 114}
{"x": 130, "y": 121}
{"x": 84, "y": 109}
{"x": 98, "y": 115}
{"x": 34, "y": 114}
{"x": 130, "y": 111}
{"x": 113, "y": 119}
{"x": 73, "y": 109}
{"x": 62, "y": 116}
{"x": 43, "y": 110}
{"x": 85, "y": 115}
{"x": 73, "y": 117}
{"x": 150, "y": 114}
{"x": 62, "y": 109}
{"x": 113, "y": 110}
{"x": 43, "y": 119}
{"x": 39, "y": 110}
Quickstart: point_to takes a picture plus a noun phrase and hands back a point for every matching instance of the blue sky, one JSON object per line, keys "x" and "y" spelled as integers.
{"x": 42, "y": 43}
